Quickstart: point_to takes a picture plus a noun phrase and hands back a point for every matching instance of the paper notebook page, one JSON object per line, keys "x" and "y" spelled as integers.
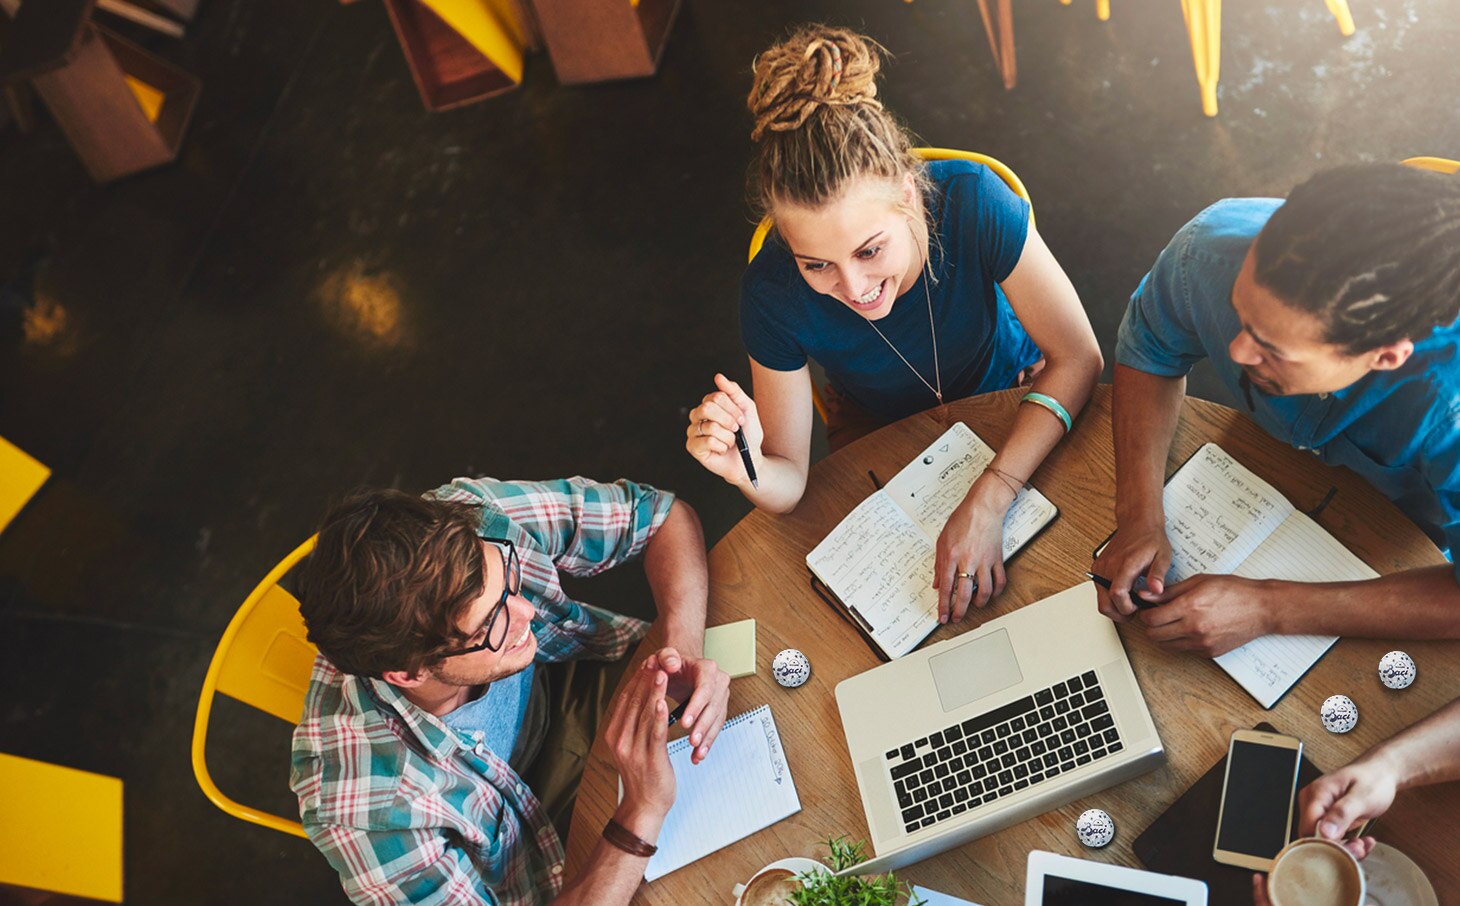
{"x": 1299, "y": 550}
{"x": 880, "y": 564}
{"x": 932, "y": 486}
{"x": 1217, "y": 513}
{"x": 743, "y": 786}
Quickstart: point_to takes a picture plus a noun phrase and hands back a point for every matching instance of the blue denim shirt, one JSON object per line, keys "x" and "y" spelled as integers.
{"x": 1398, "y": 429}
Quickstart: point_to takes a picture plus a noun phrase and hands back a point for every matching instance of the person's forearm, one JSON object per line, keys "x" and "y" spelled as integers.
{"x": 1426, "y": 753}
{"x": 611, "y": 876}
{"x": 782, "y": 484}
{"x": 1036, "y": 430}
{"x": 674, "y": 562}
{"x": 1146, "y": 410}
{"x": 1415, "y": 604}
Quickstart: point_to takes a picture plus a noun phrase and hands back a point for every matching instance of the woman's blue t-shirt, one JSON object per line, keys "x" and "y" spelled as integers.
{"x": 981, "y": 226}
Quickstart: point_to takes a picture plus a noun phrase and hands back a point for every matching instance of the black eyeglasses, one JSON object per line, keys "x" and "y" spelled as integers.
{"x": 494, "y": 631}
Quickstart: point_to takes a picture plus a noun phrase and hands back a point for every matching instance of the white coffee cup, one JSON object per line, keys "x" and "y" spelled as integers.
{"x": 1314, "y": 871}
{"x": 795, "y": 865}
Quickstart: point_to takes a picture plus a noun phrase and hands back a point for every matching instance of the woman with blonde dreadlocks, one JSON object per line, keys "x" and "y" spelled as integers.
{"x": 911, "y": 283}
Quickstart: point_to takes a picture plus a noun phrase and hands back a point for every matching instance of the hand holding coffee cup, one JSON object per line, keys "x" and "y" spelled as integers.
{"x": 1312, "y": 871}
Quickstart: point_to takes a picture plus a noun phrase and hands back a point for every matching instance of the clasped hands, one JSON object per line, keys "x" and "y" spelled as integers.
{"x": 1207, "y": 614}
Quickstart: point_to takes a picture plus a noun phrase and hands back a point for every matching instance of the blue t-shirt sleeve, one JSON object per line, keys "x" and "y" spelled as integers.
{"x": 1158, "y": 334}
{"x": 1441, "y": 451}
{"x": 766, "y": 301}
{"x": 999, "y": 220}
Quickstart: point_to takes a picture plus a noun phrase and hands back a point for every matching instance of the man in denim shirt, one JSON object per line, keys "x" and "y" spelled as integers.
{"x": 1333, "y": 316}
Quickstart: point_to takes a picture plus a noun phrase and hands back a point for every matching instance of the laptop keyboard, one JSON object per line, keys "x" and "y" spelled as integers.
{"x": 984, "y": 758}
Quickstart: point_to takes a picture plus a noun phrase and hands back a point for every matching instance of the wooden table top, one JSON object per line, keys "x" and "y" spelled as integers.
{"x": 758, "y": 570}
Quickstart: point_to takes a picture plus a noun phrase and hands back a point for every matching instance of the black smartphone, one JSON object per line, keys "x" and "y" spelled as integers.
{"x": 1256, "y": 813}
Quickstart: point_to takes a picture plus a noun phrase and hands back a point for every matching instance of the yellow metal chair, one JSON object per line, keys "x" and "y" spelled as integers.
{"x": 757, "y": 239}
{"x": 60, "y": 830}
{"x": 1204, "y": 27}
{"x": 20, "y": 477}
{"x": 1438, "y": 164}
{"x": 263, "y": 660}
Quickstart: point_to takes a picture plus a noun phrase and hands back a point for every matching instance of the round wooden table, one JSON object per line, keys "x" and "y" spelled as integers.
{"x": 758, "y": 570}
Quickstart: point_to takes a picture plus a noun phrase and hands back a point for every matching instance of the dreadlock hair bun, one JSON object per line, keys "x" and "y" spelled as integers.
{"x": 818, "y": 122}
{"x": 1373, "y": 250}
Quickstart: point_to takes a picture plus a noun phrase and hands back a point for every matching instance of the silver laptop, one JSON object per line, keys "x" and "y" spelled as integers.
{"x": 1019, "y": 716}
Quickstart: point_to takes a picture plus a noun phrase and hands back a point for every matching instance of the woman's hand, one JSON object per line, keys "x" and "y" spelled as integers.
{"x": 972, "y": 542}
{"x": 712, "y": 426}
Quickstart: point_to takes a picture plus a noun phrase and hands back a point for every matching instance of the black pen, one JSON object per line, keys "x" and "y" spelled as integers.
{"x": 678, "y": 712}
{"x": 1140, "y": 585}
{"x": 745, "y": 456}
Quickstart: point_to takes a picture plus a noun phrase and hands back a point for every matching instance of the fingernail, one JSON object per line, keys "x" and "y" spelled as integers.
{"x": 1328, "y": 829}
{"x": 694, "y": 739}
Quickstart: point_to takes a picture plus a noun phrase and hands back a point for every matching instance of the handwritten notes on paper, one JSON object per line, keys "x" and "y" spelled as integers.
{"x": 1222, "y": 518}
{"x": 743, "y": 786}
{"x": 879, "y": 560}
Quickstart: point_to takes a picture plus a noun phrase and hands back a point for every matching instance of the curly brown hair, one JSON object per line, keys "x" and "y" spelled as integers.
{"x": 389, "y": 577}
{"x": 818, "y": 122}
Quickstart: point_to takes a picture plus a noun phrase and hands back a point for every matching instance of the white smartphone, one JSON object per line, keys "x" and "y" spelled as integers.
{"x": 1256, "y": 813}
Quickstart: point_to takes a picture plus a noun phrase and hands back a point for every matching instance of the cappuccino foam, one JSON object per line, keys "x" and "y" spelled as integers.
{"x": 1315, "y": 874}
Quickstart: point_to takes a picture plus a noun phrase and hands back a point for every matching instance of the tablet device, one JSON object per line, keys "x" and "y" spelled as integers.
{"x": 1054, "y": 880}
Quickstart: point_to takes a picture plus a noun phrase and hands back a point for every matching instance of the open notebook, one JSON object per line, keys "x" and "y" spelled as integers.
{"x": 878, "y": 561}
{"x": 743, "y": 786}
{"x": 1222, "y": 518}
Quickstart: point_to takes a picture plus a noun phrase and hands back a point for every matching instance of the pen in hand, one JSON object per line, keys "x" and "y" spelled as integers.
{"x": 1138, "y": 586}
{"x": 744, "y": 448}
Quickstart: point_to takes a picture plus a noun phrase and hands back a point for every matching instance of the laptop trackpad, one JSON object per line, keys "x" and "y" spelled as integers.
{"x": 975, "y": 669}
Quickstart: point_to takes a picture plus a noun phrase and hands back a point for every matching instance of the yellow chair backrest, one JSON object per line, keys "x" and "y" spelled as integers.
{"x": 263, "y": 660}
{"x": 1438, "y": 164}
{"x": 1007, "y": 175}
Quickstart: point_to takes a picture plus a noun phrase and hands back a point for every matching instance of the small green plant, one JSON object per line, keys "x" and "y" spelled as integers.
{"x": 868, "y": 890}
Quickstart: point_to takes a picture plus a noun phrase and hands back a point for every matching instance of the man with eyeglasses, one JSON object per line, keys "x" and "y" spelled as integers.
{"x": 453, "y": 702}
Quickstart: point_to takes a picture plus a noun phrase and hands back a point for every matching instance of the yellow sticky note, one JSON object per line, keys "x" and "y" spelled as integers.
{"x": 732, "y": 646}
{"x": 147, "y": 96}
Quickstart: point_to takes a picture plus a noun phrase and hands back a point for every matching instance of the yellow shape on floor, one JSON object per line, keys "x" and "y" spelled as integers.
{"x": 62, "y": 829}
{"x": 150, "y": 98}
{"x": 20, "y": 477}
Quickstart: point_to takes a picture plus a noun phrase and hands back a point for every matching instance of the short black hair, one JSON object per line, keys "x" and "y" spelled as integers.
{"x": 1373, "y": 250}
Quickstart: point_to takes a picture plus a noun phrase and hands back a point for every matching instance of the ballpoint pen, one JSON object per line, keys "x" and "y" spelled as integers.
{"x": 744, "y": 447}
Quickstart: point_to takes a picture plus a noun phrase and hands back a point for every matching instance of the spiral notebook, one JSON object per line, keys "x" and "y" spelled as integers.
{"x": 878, "y": 562}
{"x": 743, "y": 786}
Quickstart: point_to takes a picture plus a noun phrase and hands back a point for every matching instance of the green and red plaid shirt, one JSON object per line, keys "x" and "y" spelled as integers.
{"x": 403, "y": 807}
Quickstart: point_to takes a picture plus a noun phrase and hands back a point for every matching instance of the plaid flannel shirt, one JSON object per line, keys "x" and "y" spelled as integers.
{"x": 406, "y": 810}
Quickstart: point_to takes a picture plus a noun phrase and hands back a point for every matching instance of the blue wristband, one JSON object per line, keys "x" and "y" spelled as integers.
{"x": 1052, "y": 404}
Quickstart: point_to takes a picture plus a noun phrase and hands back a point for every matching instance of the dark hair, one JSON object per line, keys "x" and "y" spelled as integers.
{"x": 1373, "y": 250}
{"x": 388, "y": 579}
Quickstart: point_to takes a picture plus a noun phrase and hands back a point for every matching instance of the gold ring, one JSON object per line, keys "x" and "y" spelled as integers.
{"x": 968, "y": 576}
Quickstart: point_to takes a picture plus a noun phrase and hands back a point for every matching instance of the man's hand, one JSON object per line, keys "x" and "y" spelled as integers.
{"x": 1331, "y": 805}
{"x": 706, "y": 688}
{"x": 638, "y": 742}
{"x": 1137, "y": 550}
{"x": 1207, "y": 614}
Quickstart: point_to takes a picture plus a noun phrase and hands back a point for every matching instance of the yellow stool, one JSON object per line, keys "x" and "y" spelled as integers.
{"x": 61, "y": 829}
{"x": 1438, "y": 164}
{"x": 1204, "y": 27}
{"x": 264, "y": 660}
{"x": 20, "y": 477}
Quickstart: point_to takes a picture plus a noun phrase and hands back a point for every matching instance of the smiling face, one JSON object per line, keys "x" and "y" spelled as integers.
{"x": 1284, "y": 351}
{"x": 864, "y": 249}
{"x": 518, "y": 648}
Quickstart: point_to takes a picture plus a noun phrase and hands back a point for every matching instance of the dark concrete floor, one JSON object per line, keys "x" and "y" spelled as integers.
{"x": 335, "y": 288}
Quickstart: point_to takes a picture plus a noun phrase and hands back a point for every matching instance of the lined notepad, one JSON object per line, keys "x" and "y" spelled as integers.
{"x": 743, "y": 786}
{"x": 879, "y": 560}
{"x": 1222, "y": 518}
